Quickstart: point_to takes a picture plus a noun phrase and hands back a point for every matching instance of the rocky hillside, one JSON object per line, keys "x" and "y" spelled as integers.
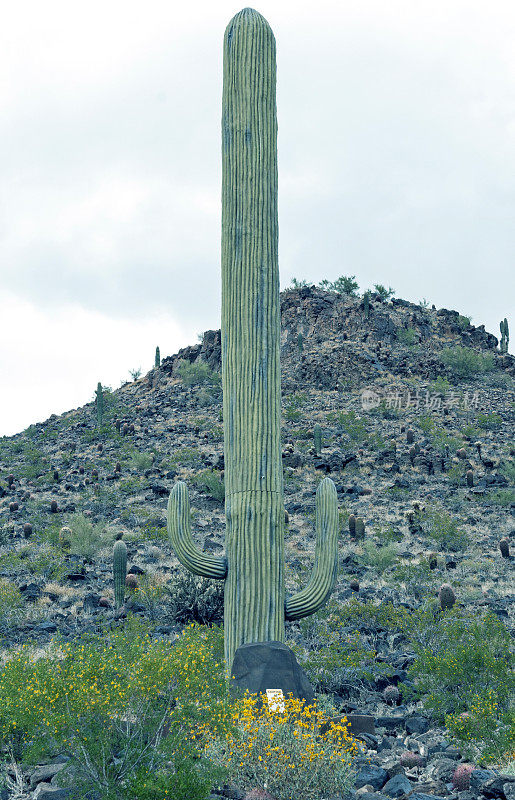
{"x": 416, "y": 407}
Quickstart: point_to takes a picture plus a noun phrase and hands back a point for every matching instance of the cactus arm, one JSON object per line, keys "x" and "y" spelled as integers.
{"x": 178, "y": 522}
{"x": 322, "y": 581}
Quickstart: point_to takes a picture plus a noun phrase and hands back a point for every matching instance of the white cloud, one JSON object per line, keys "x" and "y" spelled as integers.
{"x": 396, "y": 164}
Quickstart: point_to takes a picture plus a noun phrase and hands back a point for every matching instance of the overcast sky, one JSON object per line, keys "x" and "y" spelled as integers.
{"x": 396, "y": 164}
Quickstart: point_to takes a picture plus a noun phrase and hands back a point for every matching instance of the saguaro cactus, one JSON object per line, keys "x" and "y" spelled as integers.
{"x": 100, "y": 404}
{"x": 253, "y": 567}
{"x": 505, "y": 335}
{"x": 119, "y": 572}
{"x": 317, "y": 436}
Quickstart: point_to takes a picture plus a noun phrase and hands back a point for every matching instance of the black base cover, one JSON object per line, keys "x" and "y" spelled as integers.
{"x": 259, "y": 666}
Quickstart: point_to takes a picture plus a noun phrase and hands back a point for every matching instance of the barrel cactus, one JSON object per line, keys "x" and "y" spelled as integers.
{"x": 119, "y": 572}
{"x": 446, "y": 596}
{"x": 255, "y": 604}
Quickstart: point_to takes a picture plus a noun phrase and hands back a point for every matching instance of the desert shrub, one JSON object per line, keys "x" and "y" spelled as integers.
{"x": 284, "y": 750}
{"x": 87, "y": 539}
{"x": 463, "y": 322}
{"x": 489, "y": 422}
{"x": 459, "y": 657}
{"x": 440, "y": 386}
{"x": 42, "y": 559}
{"x": 463, "y": 362}
{"x": 351, "y": 425}
{"x": 183, "y": 457}
{"x": 122, "y": 705}
{"x": 141, "y": 461}
{"x": 345, "y": 284}
{"x": 415, "y": 576}
{"x": 211, "y": 482}
{"x": 501, "y": 497}
{"x": 195, "y": 599}
{"x": 293, "y": 406}
{"x": 407, "y": 336}
{"x": 11, "y": 604}
{"x": 198, "y": 374}
{"x": 383, "y": 292}
{"x": 378, "y": 557}
{"x": 486, "y": 730}
{"x": 443, "y": 530}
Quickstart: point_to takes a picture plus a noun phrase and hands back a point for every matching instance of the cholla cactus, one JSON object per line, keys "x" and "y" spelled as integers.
{"x": 317, "y": 436}
{"x": 119, "y": 572}
{"x": 255, "y": 606}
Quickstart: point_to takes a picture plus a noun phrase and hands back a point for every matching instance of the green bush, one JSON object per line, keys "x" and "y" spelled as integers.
{"x": 141, "y": 461}
{"x": 486, "y": 731}
{"x": 442, "y": 529}
{"x": 463, "y": 362}
{"x": 489, "y": 422}
{"x": 463, "y": 656}
{"x": 407, "y": 336}
{"x": 86, "y": 538}
{"x": 383, "y": 292}
{"x": 351, "y": 425}
{"x": 345, "y": 284}
{"x": 11, "y": 604}
{"x": 121, "y": 705}
{"x": 211, "y": 482}
{"x": 198, "y": 374}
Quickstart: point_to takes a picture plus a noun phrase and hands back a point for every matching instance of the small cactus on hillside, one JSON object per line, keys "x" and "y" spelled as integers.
{"x": 410, "y": 436}
{"x": 504, "y": 547}
{"x": 432, "y": 560}
{"x": 65, "y": 535}
{"x": 157, "y": 360}
{"x": 119, "y": 572}
{"x": 446, "y": 596}
{"x": 366, "y": 304}
{"x": 505, "y": 335}
{"x": 360, "y": 528}
{"x": 470, "y": 478}
{"x": 461, "y": 777}
{"x": 352, "y": 525}
{"x": 100, "y": 404}
{"x": 391, "y": 695}
{"x": 317, "y": 436}
{"x": 410, "y": 760}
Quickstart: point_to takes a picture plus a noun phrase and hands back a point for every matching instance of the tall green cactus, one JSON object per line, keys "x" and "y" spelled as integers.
{"x": 157, "y": 359}
{"x": 505, "y": 335}
{"x": 317, "y": 436}
{"x": 253, "y": 567}
{"x": 119, "y": 572}
{"x": 100, "y": 404}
